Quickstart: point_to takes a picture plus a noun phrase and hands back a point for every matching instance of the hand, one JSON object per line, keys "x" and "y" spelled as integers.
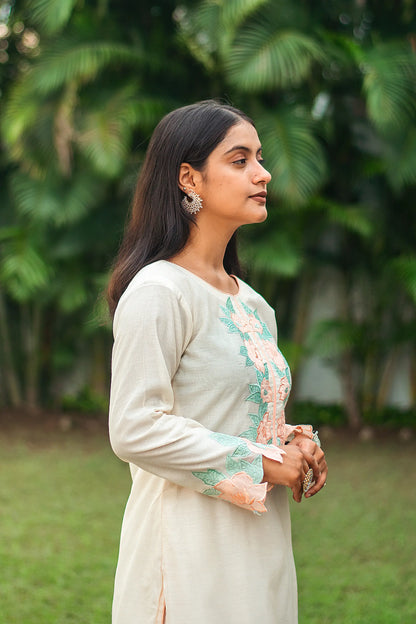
{"x": 292, "y": 471}
{"x": 307, "y": 445}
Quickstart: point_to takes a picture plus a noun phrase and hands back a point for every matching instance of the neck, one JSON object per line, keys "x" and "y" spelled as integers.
{"x": 203, "y": 255}
{"x": 205, "y": 248}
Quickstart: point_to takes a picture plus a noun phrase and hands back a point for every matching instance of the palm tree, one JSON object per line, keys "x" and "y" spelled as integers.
{"x": 85, "y": 91}
{"x": 329, "y": 84}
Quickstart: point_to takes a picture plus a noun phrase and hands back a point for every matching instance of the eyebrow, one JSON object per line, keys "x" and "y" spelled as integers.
{"x": 242, "y": 148}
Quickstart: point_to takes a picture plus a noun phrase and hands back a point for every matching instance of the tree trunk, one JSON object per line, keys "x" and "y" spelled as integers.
{"x": 385, "y": 379}
{"x": 351, "y": 403}
{"x": 31, "y": 324}
{"x": 10, "y": 374}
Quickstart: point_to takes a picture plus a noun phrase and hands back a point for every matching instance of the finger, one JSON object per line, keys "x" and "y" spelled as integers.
{"x": 297, "y": 493}
{"x": 321, "y": 481}
{"x": 312, "y": 464}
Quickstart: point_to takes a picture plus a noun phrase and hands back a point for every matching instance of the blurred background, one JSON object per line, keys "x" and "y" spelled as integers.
{"x": 331, "y": 86}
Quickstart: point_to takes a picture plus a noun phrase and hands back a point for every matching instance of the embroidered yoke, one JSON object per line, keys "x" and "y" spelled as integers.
{"x": 198, "y": 393}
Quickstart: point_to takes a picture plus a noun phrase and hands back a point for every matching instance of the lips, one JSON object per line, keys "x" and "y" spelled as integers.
{"x": 259, "y": 197}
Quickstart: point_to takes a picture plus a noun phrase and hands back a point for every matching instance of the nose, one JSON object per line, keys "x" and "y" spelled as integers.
{"x": 261, "y": 174}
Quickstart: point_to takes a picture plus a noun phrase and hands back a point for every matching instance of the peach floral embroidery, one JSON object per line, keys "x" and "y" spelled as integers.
{"x": 264, "y": 430}
{"x": 272, "y": 375}
{"x": 283, "y": 388}
{"x": 255, "y": 355}
{"x": 240, "y": 490}
{"x": 266, "y": 391}
{"x": 281, "y": 426}
{"x": 275, "y": 355}
{"x": 294, "y": 430}
{"x": 247, "y": 324}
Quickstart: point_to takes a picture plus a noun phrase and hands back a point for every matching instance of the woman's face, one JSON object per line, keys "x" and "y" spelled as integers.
{"x": 233, "y": 183}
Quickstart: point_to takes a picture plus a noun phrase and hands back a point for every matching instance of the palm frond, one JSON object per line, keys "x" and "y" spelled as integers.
{"x": 405, "y": 270}
{"x": 56, "y": 200}
{"x": 23, "y": 271}
{"x": 293, "y": 155}
{"x": 50, "y": 15}
{"x": 400, "y": 158}
{"x": 68, "y": 60}
{"x": 275, "y": 255}
{"x": 105, "y": 132}
{"x": 199, "y": 29}
{"x": 389, "y": 85}
{"x": 331, "y": 337}
{"x": 28, "y": 135}
{"x": 234, "y": 12}
{"x": 265, "y": 57}
{"x": 352, "y": 217}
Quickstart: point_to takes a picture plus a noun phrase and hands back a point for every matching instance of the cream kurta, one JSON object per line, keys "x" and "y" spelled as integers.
{"x": 197, "y": 397}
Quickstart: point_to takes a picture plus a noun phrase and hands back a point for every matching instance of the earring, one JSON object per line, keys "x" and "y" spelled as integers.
{"x": 192, "y": 202}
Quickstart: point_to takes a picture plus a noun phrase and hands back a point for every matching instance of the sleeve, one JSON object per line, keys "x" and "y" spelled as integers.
{"x": 152, "y": 327}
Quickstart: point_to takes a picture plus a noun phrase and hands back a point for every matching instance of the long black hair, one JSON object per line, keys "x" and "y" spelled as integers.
{"x": 158, "y": 227}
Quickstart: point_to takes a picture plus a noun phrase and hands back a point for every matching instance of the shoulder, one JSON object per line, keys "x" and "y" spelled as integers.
{"x": 157, "y": 290}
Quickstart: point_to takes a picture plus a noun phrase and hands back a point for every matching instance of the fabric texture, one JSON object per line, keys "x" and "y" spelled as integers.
{"x": 198, "y": 393}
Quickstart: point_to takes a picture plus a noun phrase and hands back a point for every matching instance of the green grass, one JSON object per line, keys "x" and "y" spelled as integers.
{"x": 61, "y": 509}
{"x": 61, "y": 504}
{"x": 355, "y": 542}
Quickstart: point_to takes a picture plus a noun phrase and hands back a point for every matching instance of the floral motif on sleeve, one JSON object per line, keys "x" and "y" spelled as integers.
{"x": 240, "y": 483}
{"x": 272, "y": 389}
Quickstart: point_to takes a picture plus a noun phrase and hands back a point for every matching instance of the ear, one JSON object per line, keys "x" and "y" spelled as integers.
{"x": 189, "y": 177}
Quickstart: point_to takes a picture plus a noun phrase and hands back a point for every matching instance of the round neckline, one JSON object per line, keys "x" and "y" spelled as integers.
{"x": 205, "y": 283}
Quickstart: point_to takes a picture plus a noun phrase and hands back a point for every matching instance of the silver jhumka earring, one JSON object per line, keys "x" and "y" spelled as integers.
{"x": 192, "y": 202}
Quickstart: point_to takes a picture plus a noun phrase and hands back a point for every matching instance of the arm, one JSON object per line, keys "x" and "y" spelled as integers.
{"x": 152, "y": 328}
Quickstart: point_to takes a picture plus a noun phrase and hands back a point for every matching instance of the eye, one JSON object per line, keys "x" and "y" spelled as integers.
{"x": 241, "y": 161}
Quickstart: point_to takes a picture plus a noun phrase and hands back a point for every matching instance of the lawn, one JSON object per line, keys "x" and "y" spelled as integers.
{"x": 61, "y": 502}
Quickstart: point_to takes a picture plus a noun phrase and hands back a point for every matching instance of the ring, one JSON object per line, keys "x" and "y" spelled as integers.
{"x": 307, "y": 482}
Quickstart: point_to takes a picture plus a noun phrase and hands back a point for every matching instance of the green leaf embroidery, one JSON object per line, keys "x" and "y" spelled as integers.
{"x": 251, "y": 432}
{"x": 256, "y": 419}
{"x": 210, "y": 476}
{"x": 211, "y": 492}
{"x": 229, "y": 305}
{"x": 232, "y": 327}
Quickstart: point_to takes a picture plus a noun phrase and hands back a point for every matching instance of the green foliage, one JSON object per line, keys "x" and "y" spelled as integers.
{"x": 85, "y": 402}
{"x": 391, "y": 417}
{"x": 329, "y": 415}
{"x": 294, "y": 156}
{"x": 50, "y": 15}
{"x": 405, "y": 270}
{"x": 265, "y": 57}
{"x": 332, "y": 90}
{"x": 49, "y": 200}
{"x": 389, "y": 84}
{"x": 334, "y": 415}
{"x": 23, "y": 270}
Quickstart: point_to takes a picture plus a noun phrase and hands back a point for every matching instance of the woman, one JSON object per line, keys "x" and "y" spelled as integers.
{"x": 199, "y": 388}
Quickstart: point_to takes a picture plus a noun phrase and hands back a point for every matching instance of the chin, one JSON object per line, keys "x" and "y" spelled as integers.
{"x": 262, "y": 216}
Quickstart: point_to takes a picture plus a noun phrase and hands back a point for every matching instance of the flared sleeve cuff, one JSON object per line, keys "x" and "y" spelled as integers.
{"x": 291, "y": 431}
{"x": 242, "y": 481}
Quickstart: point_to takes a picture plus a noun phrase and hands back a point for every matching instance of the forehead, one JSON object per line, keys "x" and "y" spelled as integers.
{"x": 241, "y": 134}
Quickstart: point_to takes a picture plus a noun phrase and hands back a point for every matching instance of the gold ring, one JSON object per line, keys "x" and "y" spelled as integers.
{"x": 307, "y": 482}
